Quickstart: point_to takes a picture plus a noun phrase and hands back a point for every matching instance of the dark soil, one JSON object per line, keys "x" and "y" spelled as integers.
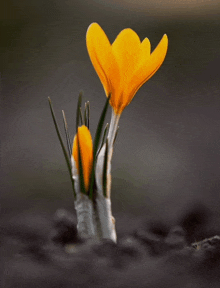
{"x": 37, "y": 251}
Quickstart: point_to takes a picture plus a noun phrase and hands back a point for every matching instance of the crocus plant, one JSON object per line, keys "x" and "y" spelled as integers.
{"x": 123, "y": 67}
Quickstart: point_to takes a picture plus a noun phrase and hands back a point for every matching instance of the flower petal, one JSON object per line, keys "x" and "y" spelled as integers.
{"x": 126, "y": 50}
{"x": 86, "y": 150}
{"x": 149, "y": 64}
{"x": 145, "y": 50}
{"x": 157, "y": 56}
{"x": 100, "y": 52}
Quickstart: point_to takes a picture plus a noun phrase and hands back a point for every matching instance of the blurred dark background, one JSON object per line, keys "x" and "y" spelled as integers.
{"x": 167, "y": 154}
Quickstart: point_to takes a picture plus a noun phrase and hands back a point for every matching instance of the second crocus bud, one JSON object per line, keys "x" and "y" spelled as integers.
{"x": 83, "y": 141}
{"x": 82, "y": 145}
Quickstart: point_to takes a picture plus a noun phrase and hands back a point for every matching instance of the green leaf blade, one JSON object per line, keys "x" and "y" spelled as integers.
{"x": 96, "y": 145}
{"x": 62, "y": 145}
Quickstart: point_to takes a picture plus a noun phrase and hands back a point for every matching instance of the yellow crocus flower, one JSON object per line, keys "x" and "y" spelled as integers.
{"x": 124, "y": 66}
{"x": 86, "y": 151}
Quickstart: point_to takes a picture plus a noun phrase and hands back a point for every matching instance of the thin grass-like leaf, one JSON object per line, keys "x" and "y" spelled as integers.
{"x": 62, "y": 145}
{"x": 78, "y": 111}
{"x": 100, "y": 126}
{"x": 81, "y": 176}
{"x": 85, "y": 114}
{"x": 105, "y": 166}
{"x": 81, "y": 116}
{"x": 96, "y": 144}
{"x": 88, "y": 113}
{"x": 104, "y": 137}
{"x": 67, "y": 134}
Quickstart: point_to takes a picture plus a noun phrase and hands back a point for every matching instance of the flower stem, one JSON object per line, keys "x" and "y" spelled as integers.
{"x": 86, "y": 225}
{"x": 103, "y": 201}
{"x": 113, "y": 128}
{"x": 107, "y": 221}
{"x": 85, "y": 212}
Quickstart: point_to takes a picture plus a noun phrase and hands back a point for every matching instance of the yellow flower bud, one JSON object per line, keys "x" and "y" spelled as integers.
{"x": 86, "y": 152}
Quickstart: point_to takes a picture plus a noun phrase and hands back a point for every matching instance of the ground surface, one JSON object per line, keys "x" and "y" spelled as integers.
{"x": 40, "y": 251}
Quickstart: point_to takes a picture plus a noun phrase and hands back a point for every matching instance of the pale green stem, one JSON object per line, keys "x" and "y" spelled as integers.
{"x": 85, "y": 216}
{"x": 107, "y": 221}
{"x": 111, "y": 137}
{"x": 113, "y": 128}
{"x": 86, "y": 222}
